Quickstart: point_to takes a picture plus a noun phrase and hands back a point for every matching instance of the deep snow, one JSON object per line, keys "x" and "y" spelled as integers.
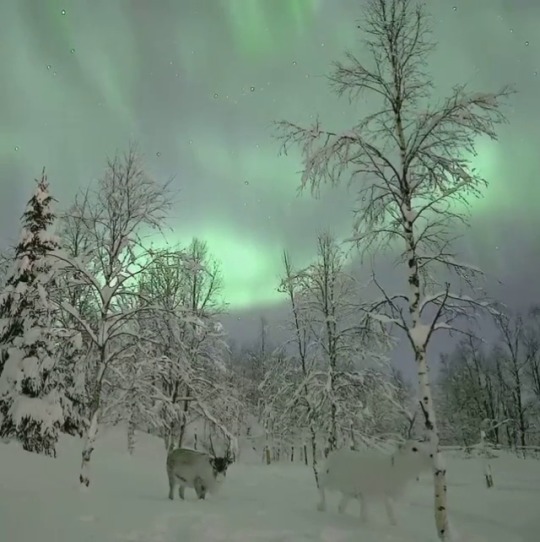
{"x": 40, "y": 500}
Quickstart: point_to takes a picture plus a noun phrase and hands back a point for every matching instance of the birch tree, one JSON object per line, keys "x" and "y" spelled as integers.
{"x": 77, "y": 245}
{"x": 411, "y": 163}
{"x": 113, "y": 216}
{"x": 162, "y": 287}
{"x": 471, "y": 393}
{"x": 334, "y": 386}
{"x": 330, "y": 298}
{"x": 184, "y": 285}
{"x": 532, "y": 350}
{"x": 512, "y": 349}
{"x": 302, "y": 336}
{"x": 201, "y": 336}
{"x": 133, "y": 392}
{"x": 344, "y": 343}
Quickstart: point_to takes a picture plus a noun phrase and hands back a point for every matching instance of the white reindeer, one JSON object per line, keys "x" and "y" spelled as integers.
{"x": 372, "y": 475}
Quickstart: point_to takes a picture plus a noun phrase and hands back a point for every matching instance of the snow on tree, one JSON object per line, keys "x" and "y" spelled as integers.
{"x": 249, "y": 365}
{"x": 341, "y": 342}
{"x": 531, "y": 340}
{"x": 284, "y": 407}
{"x": 512, "y": 353}
{"x": 31, "y": 396}
{"x": 302, "y": 335}
{"x": 68, "y": 371}
{"x": 469, "y": 393}
{"x": 111, "y": 217}
{"x": 492, "y": 387}
{"x": 132, "y": 392}
{"x": 184, "y": 285}
{"x": 413, "y": 168}
{"x": 336, "y": 381}
{"x": 6, "y": 259}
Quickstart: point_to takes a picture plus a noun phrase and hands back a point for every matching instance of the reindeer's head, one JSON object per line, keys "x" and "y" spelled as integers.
{"x": 413, "y": 450}
{"x": 221, "y": 464}
{"x": 413, "y": 455}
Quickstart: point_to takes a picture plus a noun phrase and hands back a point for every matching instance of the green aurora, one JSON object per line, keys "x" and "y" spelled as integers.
{"x": 197, "y": 83}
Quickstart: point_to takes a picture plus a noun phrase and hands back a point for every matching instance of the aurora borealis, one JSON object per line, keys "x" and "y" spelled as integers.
{"x": 197, "y": 83}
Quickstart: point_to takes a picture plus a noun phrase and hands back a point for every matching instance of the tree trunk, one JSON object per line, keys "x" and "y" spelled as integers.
{"x": 169, "y": 439}
{"x": 488, "y": 475}
{"x": 131, "y": 435}
{"x": 332, "y": 437}
{"x": 419, "y": 339}
{"x": 353, "y": 439}
{"x": 314, "y": 461}
{"x": 439, "y": 469}
{"x": 88, "y": 448}
{"x": 183, "y": 424}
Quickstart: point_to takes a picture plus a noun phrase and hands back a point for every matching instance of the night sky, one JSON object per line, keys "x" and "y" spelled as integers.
{"x": 197, "y": 84}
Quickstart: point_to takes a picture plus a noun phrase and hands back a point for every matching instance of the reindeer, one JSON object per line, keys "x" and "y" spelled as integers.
{"x": 369, "y": 475}
{"x": 201, "y": 471}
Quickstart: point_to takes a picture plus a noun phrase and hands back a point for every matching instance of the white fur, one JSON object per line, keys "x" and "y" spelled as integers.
{"x": 372, "y": 475}
{"x": 189, "y": 468}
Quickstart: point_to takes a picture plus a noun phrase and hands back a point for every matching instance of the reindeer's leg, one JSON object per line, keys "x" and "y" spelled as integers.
{"x": 343, "y": 503}
{"x": 172, "y": 484}
{"x": 181, "y": 489}
{"x": 322, "y": 502}
{"x": 390, "y": 510}
{"x": 200, "y": 488}
{"x": 363, "y": 510}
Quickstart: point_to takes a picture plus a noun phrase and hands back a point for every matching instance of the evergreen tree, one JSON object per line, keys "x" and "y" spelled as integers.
{"x": 30, "y": 398}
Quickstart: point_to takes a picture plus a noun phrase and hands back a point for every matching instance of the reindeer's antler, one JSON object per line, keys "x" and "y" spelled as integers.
{"x": 228, "y": 454}
{"x": 212, "y": 451}
{"x": 412, "y": 419}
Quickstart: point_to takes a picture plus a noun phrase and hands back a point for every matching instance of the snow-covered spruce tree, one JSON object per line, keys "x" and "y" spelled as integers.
{"x": 113, "y": 215}
{"x": 411, "y": 162}
{"x": 31, "y": 400}
{"x": 6, "y": 258}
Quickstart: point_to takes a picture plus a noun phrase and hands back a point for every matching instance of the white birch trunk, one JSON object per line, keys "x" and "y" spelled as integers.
{"x": 439, "y": 468}
{"x": 419, "y": 339}
{"x": 88, "y": 448}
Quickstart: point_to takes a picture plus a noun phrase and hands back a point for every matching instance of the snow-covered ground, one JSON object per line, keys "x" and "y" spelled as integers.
{"x": 40, "y": 500}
